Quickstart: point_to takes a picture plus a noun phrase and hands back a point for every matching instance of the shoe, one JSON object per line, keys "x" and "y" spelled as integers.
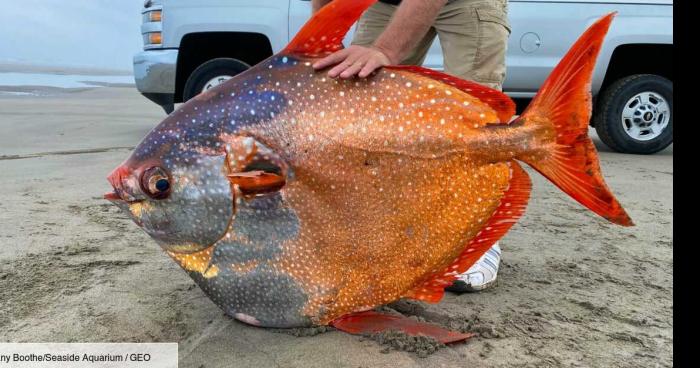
{"x": 481, "y": 275}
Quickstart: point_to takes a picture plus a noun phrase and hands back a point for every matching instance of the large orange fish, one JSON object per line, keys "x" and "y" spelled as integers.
{"x": 294, "y": 199}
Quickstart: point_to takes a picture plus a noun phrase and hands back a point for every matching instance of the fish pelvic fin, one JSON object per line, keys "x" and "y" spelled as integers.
{"x": 560, "y": 114}
{"x": 371, "y": 322}
{"x": 511, "y": 208}
{"x": 323, "y": 34}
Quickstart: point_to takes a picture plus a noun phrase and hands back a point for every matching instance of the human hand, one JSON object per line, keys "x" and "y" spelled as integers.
{"x": 354, "y": 60}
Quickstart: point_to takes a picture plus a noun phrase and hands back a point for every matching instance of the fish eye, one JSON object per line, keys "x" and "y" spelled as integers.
{"x": 155, "y": 183}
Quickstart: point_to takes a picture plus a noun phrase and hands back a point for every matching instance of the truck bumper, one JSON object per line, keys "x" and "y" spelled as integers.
{"x": 154, "y": 73}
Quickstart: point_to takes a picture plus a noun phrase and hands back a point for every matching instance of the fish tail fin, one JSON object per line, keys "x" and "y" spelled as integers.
{"x": 560, "y": 114}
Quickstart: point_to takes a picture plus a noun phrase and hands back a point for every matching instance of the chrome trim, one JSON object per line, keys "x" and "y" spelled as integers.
{"x": 152, "y": 8}
{"x": 155, "y": 71}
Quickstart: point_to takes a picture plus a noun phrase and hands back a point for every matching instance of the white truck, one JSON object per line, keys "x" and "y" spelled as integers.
{"x": 193, "y": 45}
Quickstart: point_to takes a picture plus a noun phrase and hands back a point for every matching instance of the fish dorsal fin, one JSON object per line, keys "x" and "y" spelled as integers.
{"x": 323, "y": 33}
{"x": 508, "y": 212}
{"x": 497, "y": 100}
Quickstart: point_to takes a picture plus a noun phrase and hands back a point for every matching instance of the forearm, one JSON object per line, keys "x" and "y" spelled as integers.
{"x": 316, "y": 5}
{"x": 408, "y": 26}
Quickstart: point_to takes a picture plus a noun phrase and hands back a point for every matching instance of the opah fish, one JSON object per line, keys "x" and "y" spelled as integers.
{"x": 293, "y": 199}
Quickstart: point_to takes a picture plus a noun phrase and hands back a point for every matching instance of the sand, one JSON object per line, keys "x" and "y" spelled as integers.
{"x": 573, "y": 291}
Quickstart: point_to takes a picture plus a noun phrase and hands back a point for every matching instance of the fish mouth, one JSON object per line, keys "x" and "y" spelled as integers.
{"x": 112, "y": 196}
{"x": 119, "y": 193}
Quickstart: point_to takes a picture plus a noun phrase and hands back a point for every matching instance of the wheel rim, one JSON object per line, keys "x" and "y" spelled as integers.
{"x": 215, "y": 82}
{"x": 645, "y": 116}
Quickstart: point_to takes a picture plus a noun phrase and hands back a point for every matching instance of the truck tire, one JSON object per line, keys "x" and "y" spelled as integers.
{"x": 635, "y": 114}
{"x": 210, "y": 74}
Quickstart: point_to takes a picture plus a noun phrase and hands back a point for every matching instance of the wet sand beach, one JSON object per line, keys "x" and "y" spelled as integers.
{"x": 573, "y": 290}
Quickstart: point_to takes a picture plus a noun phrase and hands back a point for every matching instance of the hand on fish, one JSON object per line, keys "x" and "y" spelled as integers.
{"x": 354, "y": 60}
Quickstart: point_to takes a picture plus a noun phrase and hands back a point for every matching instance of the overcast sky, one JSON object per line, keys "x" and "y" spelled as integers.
{"x": 89, "y": 33}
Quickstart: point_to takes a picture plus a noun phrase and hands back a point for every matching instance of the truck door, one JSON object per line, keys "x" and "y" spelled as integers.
{"x": 542, "y": 32}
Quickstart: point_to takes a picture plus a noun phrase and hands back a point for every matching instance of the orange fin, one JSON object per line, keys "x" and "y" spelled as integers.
{"x": 257, "y": 182}
{"x": 499, "y": 101}
{"x": 563, "y": 106}
{"x": 512, "y": 207}
{"x": 323, "y": 33}
{"x": 371, "y": 322}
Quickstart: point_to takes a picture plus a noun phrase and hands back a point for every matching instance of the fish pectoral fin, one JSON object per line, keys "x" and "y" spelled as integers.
{"x": 497, "y": 100}
{"x": 257, "y": 182}
{"x": 511, "y": 208}
{"x": 253, "y": 167}
{"x": 323, "y": 33}
{"x": 371, "y": 322}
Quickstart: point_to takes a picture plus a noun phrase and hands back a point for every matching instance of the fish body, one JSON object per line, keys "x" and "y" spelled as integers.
{"x": 294, "y": 199}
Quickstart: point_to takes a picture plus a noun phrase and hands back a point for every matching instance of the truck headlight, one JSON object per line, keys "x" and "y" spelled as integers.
{"x": 152, "y": 39}
{"x": 153, "y": 16}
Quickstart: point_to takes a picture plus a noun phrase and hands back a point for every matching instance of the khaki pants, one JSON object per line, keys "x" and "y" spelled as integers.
{"x": 473, "y": 35}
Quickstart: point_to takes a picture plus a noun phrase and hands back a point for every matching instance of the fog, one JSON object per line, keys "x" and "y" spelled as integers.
{"x": 78, "y": 33}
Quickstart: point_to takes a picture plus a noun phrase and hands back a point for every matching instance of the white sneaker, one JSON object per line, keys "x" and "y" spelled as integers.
{"x": 481, "y": 275}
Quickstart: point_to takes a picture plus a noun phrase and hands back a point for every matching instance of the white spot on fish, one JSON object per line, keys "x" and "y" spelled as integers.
{"x": 247, "y": 319}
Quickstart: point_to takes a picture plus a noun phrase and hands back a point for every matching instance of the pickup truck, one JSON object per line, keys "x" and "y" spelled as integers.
{"x": 193, "y": 45}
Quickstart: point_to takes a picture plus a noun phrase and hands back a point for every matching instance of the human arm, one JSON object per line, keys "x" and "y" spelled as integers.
{"x": 409, "y": 25}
